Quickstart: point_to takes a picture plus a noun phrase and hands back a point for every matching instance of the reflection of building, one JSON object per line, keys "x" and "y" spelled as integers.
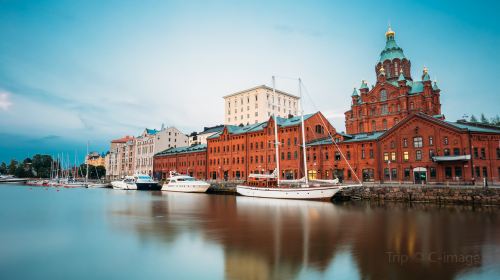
{"x": 395, "y": 133}
{"x": 278, "y": 239}
{"x": 95, "y": 159}
{"x": 257, "y": 104}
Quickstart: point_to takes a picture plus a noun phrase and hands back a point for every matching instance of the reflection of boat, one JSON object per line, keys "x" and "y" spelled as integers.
{"x": 11, "y": 179}
{"x": 270, "y": 185}
{"x": 183, "y": 183}
{"x": 98, "y": 185}
{"x": 137, "y": 182}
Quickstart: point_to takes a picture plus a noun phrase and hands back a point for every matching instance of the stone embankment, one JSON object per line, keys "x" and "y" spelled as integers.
{"x": 434, "y": 194}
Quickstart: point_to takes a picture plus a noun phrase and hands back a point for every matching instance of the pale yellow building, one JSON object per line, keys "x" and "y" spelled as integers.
{"x": 95, "y": 159}
{"x": 257, "y": 104}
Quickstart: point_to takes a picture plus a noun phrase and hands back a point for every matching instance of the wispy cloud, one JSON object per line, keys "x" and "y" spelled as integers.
{"x": 5, "y": 102}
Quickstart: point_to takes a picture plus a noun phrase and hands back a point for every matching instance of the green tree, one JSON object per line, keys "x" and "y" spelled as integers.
{"x": 12, "y": 167}
{"x": 41, "y": 165}
{"x": 473, "y": 119}
{"x": 495, "y": 120}
{"x": 3, "y": 168}
{"x": 484, "y": 119}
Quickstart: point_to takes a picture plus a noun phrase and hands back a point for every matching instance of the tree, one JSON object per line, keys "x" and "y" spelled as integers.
{"x": 495, "y": 120}
{"x": 484, "y": 120}
{"x": 41, "y": 165}
{"x": 12, "y": 167}
{"x": 3, "y": 168}
{"x": 95, "y": 172}
{"x": 473, "y": 119}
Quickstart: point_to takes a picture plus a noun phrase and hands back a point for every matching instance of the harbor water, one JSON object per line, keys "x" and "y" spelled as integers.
{"x": 77, "y": 233}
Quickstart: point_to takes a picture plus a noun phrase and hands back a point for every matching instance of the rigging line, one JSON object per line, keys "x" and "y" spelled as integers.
{"x": 331, "y": 137}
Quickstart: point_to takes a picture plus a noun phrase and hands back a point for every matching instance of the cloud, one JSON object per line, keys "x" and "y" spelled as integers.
{"x": 5, "y": 102}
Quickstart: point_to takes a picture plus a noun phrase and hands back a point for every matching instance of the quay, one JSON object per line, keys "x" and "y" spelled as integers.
{"x": 439, "y": 194}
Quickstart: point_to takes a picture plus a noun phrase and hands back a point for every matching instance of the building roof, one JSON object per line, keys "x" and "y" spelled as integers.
{"x": 262, "y": 87}
{"x": 371, "y": 136}
{"x": 283, "y": 122}
{"x": 183, "y": 150}
{"x": 212, "y": 129}
{"x": 123, "y": 139}
{"x": 475, "y": 127}
{"x": 151, "y": 131}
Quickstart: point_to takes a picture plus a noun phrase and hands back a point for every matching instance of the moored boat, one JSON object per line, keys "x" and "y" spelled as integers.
{"x": 11, "y": 179}
{"x": 184, "y": 183}
{"x": 137, "y": 182}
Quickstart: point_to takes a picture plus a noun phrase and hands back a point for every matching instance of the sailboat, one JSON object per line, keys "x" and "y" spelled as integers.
{"x": 270, "y": 185}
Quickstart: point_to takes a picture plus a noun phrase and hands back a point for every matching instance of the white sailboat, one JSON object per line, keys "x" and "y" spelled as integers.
{"x": 270, "y": 186}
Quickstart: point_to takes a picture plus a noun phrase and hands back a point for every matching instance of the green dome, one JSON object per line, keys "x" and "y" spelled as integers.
{"x": 391, "y": 50}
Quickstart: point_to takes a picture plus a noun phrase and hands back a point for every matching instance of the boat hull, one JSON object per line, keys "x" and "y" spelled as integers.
{"x": 189, "y": 188}
{"x": 148, "y": 186}
{"x": 11, "y": 181}
{"x": 314, "y": 193}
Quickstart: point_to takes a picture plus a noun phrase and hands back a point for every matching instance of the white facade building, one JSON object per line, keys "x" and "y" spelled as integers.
{"x": 120, "y": 160}
{"x": 257, "y": 105}
{"x": 153, "y": 141}
{"x": 197, "y": 138}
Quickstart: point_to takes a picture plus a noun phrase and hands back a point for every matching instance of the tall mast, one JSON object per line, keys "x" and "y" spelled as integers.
{"x": 87, "y": 162}
{"x": 303, "y": 133}
{"x": 276, "y": 145}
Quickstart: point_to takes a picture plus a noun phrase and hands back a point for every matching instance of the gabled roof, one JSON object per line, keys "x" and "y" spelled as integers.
{"x": 283, "y": 122}
{"x": 151, "y": 131}
{"x": 472, "y": 127}
{"x": 123, "y": 139}
{"x": 183, "y": 150}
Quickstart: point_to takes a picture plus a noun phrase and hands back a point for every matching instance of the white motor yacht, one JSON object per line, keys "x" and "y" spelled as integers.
{"x": 184, "y": 183}
{"x": 11, "y": 179}
{"x": 137, "y": 182}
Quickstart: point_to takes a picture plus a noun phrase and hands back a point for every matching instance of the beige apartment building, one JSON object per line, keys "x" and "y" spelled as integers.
{"x": 197, "y": 138}
{"x": 257, "y": 104}
{"x": 120, "y": 160}
{"x": 153, "y": 141}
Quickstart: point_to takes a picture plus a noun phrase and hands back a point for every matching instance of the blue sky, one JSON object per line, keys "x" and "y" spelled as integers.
{"x": 72, "y": 71}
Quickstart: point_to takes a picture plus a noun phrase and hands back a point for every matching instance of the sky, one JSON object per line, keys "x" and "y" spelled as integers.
{"x": 77, "y": 71}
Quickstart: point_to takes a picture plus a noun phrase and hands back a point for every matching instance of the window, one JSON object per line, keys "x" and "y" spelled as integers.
{"x": 393, "y": 145}
{"x": 337, "y": 156}
{"x": 383, "y": 109}
{"x": 319, "y": 129}
{"x": 362, "y": 154}
{"x": 445, "y": 140}
{"x": 405, "y": 142}
{"x": 458, "y": 172}
{"x": 418, "y": 155}
{"x": 498, "y": 153}
{"x": 485, "y": 172}
{"x": 406, "y": 156}
{"x": 393, "y": 156}
{"x": 478, "y": 172}
{"x": 384, "y": 124}
{"x": 456, "y": 151}
{"x": 394, "y": 174}
{"x": 396, "y": 120}
{"x": 348, "y": 155}
{"x": 417, "y": 142}
{"x": 446, "y": 152}
{"x": 483, "y": 153}
{"x": 447, "y": 172}
{"x": 407, "y": 173}
{"x": 371, "y": 153}
{"x": 383, "y": 95}
{"x": 374, "y": 126}
{"x": 386, "y": 173}
{"x": 431, "y": 141}
{"x": 431, "y": 154}
{"x": 433, "y": 172}
{"x": 476, "y": 153}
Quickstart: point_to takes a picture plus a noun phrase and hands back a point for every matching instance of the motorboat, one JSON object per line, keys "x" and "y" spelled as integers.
{"x": 11, "y": 179}
{"x": 140, "y": 182}
{"x": 184, "y": 183}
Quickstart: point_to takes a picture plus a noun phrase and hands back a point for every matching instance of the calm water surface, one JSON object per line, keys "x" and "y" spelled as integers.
{"x": 108, "y": 234}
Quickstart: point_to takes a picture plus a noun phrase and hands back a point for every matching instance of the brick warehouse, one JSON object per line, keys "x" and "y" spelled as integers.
{"x": 395, "y": 132}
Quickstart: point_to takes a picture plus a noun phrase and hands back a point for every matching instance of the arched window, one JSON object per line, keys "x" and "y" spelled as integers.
{"x": 383, "y": 95}
{"x": 411, "y": 105}
{"x": 361, "y": 129}
{"x": 384, "y": 124}
{"x": 374, "y": 126}
{"x": 396, "y": 120}
{"x": 319, "y": 129}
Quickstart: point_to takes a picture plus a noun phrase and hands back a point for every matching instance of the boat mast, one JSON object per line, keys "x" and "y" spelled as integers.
{"x": 87, "y": 162}
{"x": 303, "y": 133}
{"x": 276, "y": 145}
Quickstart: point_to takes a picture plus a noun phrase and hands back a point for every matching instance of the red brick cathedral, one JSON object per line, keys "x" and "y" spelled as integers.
{"x": 395, "y": 94}
{"x": 395, "y": 132}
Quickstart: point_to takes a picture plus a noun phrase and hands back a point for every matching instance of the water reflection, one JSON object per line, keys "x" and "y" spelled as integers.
{"x": 283, "y": 239}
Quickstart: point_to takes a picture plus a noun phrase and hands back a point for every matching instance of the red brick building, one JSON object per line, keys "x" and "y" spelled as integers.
{"x": 395, "y": 133}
